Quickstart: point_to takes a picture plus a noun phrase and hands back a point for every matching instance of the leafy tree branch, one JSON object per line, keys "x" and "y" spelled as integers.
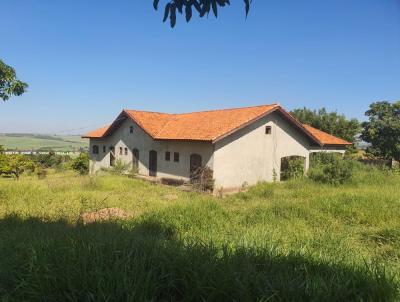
{"x": 9, "y": 84}
{"x": 187, "y": 7}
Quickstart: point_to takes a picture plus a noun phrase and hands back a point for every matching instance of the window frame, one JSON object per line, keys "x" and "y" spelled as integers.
{"x": 268, "y": 130}
{"x": 167, "y": 156}
{"x": 176, "y": 157}
{"x": 95, "y": 149}
{"x": 131, "y": 130}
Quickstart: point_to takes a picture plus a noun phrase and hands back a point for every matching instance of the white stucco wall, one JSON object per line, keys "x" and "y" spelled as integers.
{"x": 249, "y": 155}
{"x": 329, "y": 149}
{"x": 144, "y": 143}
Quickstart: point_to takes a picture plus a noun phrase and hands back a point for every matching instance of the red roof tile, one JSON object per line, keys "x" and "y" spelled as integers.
{"x": 203, "y": 126}
{"x": 206, "y": 125}
{"x": 98, "y": 133}
{"x": 325, "y": 138}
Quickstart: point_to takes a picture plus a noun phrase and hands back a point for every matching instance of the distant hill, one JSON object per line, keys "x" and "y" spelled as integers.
{"x": 41, "y": 142}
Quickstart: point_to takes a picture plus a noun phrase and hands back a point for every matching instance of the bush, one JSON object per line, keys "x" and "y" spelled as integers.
{"x": 120, "y": 167}
{"x": 202, "y": 179}
{"x": 51, "y": 160}
{"x": 81, "y": 164}
{"x": 292, "y": 167}
{"x": 41, "y": 173}
{"x": 330, "y": 168}
{"x": 14, "y": 165}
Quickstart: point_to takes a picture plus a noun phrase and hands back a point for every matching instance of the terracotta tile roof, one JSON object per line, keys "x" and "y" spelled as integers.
{"x": 151, "y": 122}
{"x": 97, "y": 133}
{"x": 206, "y": 125}
{"x": 325, "y": 138}
{"x": 203, "y": 126}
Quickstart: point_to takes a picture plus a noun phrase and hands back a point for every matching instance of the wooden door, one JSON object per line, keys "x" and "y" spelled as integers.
{"x": 153, "y": 163}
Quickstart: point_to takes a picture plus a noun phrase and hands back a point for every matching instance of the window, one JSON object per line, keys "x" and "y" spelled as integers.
{"x": 268, "y": 129}
{"x": 95, "y": 149}
{"x": 104, "y": 149}
{"x": 120, "y": 150}
{"x": 131, "y": 129}
{"x": 176, "y": 157}
{"x": 167, "y": 156}
{"x": 126, "y": 151}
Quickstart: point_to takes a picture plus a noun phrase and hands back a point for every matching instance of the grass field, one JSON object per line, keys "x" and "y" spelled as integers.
{"x": 293, "y": 241}
{"x": 42, "y": 142}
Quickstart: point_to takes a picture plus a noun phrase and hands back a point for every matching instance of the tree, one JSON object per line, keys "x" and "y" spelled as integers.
{"x": 382, "y": 129}
{"x": 203, "y": 7}
{"x": 15, "y": 164}
{"x": 9, "y": 84}
{"x": 1, "y": 149}
{"x": 330, "y": 122}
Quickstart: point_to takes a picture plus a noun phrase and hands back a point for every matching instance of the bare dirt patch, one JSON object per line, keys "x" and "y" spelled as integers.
{"x": 104, "y": 215}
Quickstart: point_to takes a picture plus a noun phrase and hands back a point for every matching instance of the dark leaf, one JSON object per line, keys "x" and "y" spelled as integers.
{"x": 197, "y": 6}
{"x": 179, "y": 5}
{"x": 166, "y": 12}
{"x": 214, "y": 8}
{"x": 155, "y": 4}
{"x": 172, "y": 16}
{"x": 247, "y": 4}
{"x": 188, "y": 12}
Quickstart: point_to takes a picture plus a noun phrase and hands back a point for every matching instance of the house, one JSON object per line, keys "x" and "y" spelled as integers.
{"x": 241, "y": 145}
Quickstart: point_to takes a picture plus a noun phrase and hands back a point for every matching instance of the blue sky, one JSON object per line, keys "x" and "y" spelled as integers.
{"x": 86, "y": 60}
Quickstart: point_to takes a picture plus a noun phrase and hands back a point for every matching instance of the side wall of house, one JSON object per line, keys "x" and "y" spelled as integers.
{"x": 250, "y": 155}
{"x": 122, "y": 138}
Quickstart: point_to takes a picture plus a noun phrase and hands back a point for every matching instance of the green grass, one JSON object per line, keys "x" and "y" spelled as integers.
{"x": 42, "y": 142}
{"x": 293, "y": 241}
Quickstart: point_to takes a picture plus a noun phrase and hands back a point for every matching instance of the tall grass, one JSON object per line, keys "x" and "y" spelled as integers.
{"x": 292, "y": 241}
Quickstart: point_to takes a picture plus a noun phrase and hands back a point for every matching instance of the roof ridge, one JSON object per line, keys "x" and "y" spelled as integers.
{"x": 223, "y": 109}
{"x": 145, "y": 111}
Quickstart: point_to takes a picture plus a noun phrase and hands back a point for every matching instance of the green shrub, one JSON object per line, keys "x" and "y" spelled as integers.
{"x": 15, "y": 164}
{"x": 41, "y": 173}
{"x": 330, "y": 168}
{"x": 81, "y": 164}
{"x": 292, "y": 167}
{"x": 120, "y": 167}
{"x": 202, "y": 179}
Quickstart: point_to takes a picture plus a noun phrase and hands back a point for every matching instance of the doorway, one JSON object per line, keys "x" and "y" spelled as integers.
{"x": 112, "y": 156}
{"x": 153, "y": 163}
{"x": 135, "y": 159}
{"x": 292, "y": 167}
{"x": 195, "y": 166}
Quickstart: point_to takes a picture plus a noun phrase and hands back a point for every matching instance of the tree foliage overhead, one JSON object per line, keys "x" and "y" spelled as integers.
{"x": 187, "y": 7}
{"x": 9, "y": 84}
{"x": 330, "y": 122}
{"x": 382, "y": 129}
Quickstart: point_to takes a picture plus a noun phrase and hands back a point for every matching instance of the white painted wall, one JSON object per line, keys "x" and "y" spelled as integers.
{"x": 122, "y": 138}
{"x": 329, "y": 149}
{"x": 249, "y": 155}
